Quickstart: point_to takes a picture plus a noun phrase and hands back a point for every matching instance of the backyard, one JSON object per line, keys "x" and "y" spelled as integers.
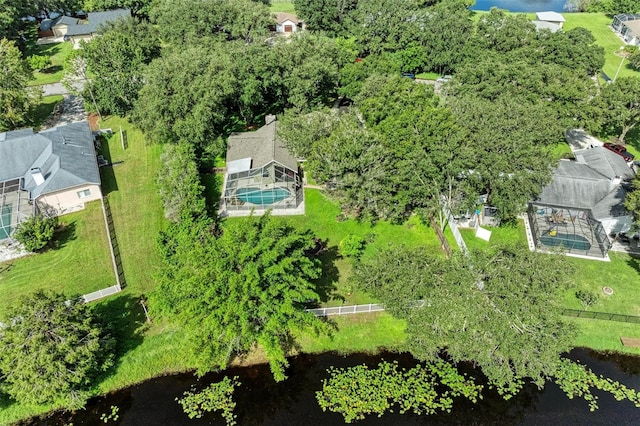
{"x": 57, "y": 52}
{"x": 82, "y": 246}
{"x": 621, "y": 274}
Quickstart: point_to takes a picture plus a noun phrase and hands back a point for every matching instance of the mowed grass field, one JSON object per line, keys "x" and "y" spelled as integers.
{"x": 83, "y": 246}
{"x": 600, "y": 26}
{"x": 57, "y": 52}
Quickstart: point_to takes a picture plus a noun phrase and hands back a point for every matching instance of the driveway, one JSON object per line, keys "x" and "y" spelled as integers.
{"x": 71, "y": 111}
{"x": 58, "y": 89}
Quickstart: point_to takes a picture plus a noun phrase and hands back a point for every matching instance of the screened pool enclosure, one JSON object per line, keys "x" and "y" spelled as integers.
{"x": 261, "y": 175}
{"x": 270, "y": 186}
{"x": 15, "y": 207}
{"x": 573, "y": 230}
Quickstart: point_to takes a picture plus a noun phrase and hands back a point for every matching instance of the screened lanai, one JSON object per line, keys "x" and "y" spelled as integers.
{"x": 573, "y": 230}
{"x": 261, "y": 174}
{"x": 14, "y": 207}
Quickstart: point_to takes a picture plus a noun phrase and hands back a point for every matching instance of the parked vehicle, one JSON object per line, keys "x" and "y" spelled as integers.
{"x": 410, "y": 75}
{"x": 620, "y": 150}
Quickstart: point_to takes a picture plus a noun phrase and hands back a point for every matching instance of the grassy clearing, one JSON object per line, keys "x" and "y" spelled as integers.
{"x": 621, "y": 274}
{"x": 428, "y": 75}
{"x": 358, "y": 333}
{"x": 83, "y": 246}
{"x": 43, "y": 110}
{"x": 321, "y": 216}
{"x": 58, "y": 52}
{"x": 282, "y": 6}
{"x": 600, "y": 26}
{"x": 135, "y": 204}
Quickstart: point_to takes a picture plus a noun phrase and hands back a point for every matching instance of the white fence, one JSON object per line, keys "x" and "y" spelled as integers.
{"x": 101, "y": 293}
{"x": 347, "y": 310}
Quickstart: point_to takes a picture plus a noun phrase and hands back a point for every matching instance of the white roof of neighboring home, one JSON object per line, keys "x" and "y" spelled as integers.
{"x": 549, "y": 16}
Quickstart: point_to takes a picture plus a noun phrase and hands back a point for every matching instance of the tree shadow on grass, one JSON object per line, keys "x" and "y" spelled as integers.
{"x": 65, "y": 233}
{"x": 326, "y": 284}
{"x": 634, "y": 262}
{"x": 124, "y": 319}
{"x": 107, "y": 176}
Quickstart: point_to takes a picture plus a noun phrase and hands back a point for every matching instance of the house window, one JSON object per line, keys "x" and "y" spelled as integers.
{"x": 84, "y": 193}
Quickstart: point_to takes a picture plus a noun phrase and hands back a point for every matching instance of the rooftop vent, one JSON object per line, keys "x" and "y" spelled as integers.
{"x": 37, "y": 175}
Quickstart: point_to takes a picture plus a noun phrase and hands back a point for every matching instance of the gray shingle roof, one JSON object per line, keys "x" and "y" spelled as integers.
{"x": 64, "y": 20}
{"x": 605, "y": 162}
{"x": 65, "y": 155}
{"x": 97, "y": 19}
{"x": 261, "y": 146}
{"x": 591, "y": 183}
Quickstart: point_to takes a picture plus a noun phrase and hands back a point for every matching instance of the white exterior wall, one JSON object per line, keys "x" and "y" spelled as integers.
{"x": 68, "y": 201}
{"x": 78, "y": 38}
{"x": 280, "y": 27}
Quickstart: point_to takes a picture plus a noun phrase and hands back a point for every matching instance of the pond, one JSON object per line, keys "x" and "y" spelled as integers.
{"x": 524, "y": 5}
{"x": 261, "y": 401}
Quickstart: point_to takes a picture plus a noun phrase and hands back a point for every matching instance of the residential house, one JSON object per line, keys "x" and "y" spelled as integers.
{"x": 627, "y": 26}
{"x": 583, "y": 204}
{"x": 76, "y": 30}
{"x": 287, "y": 23}
{"x": 53, "y": 172}
{"x": 261, "y": 174}
{"x": 551, "y": 21}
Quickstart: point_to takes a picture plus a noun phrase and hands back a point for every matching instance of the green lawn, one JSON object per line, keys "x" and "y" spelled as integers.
{"x": 83, "y": 247}
{"x": 428, "y": 75}
{"x": 135, "y": 204}
{"x": 599, "y": 25}
{"x": 43, "y": 110}
{"x": 58, "y": 52}
{"x": 321, "y": 216}
{"x": 282, "y": 6}
{"x": 621, "y": 274}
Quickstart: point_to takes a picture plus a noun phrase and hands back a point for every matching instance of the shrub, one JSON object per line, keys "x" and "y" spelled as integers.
{"x": 38, "y": 62}
{"x": 587, "y": 298}
{"x": 36, "y": 232}
{"x": 352, "y": 246}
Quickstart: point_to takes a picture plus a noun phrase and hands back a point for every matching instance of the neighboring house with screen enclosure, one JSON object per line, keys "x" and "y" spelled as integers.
{"x": 583, "y": 204}
{"x": 52, "y": 172}
{"x": 627, "y": 26}
{"x": 261, "y": 174}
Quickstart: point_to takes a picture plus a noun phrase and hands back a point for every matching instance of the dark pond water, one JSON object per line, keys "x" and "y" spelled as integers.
{"x": 523, "y": 5}
{"x": 260, "y": 401}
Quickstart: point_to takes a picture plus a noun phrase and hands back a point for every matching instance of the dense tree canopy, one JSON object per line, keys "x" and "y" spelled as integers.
{"x": 52, "y": 348}
{"x": 179, "y": 21}
{"x": 248, "y": 286}
{"x": 15, "y": 100}
{"x": 117, "y": 59}
{"x": 619, "y": 106}
{"x": 498, "y": 309}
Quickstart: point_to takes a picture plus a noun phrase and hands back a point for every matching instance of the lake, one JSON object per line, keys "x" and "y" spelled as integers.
{"x": 522, "y": 5}
{"x": 261, "y": 401}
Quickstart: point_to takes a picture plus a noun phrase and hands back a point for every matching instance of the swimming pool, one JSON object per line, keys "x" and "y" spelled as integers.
{"x": 568, "y": 241}
{"x": 262, "y": 196}
{"x": 5, "y": 221}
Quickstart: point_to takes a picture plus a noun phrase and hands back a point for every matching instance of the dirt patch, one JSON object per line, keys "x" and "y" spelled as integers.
{"x": 93, "y": 122}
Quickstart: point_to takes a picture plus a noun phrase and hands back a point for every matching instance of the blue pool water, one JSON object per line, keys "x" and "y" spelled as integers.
{"x": 569, "y": 241}
{"x": 522, "y": 5}
{"x": 262, "y": 196}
